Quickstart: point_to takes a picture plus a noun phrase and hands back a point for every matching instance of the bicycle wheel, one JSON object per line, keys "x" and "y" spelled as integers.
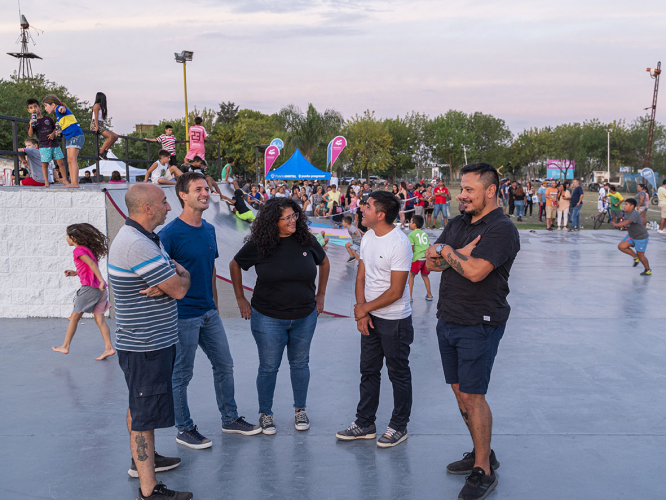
{"x": 599, "y": 220}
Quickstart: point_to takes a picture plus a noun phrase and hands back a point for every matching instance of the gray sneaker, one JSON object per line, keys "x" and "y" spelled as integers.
{"x": 355, "y": 432}
{"x": 301, "y": 420}
{"x": 391, "y": 438}
{"x": 266, "y": 424}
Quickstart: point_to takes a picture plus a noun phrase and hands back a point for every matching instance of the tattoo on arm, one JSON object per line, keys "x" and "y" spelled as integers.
{"x": 455, "y": 264}
{"x": 141, "y": 447}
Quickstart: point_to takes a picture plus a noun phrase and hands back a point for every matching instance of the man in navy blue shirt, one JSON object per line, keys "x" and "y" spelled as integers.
{"x": 190, "y": 241}
{"x": 576, "y": 205}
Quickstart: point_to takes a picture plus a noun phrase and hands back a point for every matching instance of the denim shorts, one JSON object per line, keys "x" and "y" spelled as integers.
{"x": 148, "y": 376}
{"x": 48, "y": 154}
{"x": 468, "y": 353}
{"x": 75, "y": 142}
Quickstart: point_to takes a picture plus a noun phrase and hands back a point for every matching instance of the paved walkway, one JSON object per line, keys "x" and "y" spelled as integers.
{"x": 577, "y": 394}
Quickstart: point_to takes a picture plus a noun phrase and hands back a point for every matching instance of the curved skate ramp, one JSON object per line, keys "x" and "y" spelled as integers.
{"x": 231, "y": 232}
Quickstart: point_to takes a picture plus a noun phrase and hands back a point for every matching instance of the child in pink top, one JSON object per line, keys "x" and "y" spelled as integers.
{"x": 90, "y": 245}
{"x": 197, "y": 137}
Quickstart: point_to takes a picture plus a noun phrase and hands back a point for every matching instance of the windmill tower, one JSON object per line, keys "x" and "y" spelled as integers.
{"x": 24, "y": 57}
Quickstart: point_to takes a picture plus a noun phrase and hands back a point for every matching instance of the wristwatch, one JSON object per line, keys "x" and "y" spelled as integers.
{"x": 439, "y": 249}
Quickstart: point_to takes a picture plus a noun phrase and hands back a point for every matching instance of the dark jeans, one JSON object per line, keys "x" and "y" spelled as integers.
{"x": 530, "y": 204}
{"x": 542, "y": 210}
{"x": 388, "y": 339}
{"x": 512, "y": 206}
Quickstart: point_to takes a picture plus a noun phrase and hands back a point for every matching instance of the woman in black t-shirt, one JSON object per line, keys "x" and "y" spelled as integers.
{"x": 285, "y": 302}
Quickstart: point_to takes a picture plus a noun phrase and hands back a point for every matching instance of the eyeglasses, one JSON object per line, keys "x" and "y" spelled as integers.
{"x": 291, "y": 217}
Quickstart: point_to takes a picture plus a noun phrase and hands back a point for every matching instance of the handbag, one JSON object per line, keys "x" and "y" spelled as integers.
{"x": 535, "y": 199}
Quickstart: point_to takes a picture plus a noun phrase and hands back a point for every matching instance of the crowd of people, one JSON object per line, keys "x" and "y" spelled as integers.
{"x": 166, "y": 306}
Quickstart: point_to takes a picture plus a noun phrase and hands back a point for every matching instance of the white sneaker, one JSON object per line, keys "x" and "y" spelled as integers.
{"x": 661, "y": 231}
{"x": 301, "y": 421}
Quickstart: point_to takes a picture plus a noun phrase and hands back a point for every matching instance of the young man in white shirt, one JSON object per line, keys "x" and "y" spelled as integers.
{"x": 384, "y": 318}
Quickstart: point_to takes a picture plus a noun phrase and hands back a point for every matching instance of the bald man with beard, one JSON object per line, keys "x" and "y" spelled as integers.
{"x": 146, "y": 284}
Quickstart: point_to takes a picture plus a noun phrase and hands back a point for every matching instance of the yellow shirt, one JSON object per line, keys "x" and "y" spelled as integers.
{"x": 333, "y": 196}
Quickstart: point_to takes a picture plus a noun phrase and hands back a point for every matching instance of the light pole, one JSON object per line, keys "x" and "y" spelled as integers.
{"x": 608, "y": 132}
{"x": 464, "y": 148}
{"x": 183, "y": 57}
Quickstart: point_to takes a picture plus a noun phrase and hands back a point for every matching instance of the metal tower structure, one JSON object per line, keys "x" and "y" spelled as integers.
{"x": 24, "y": 57}
{"x": 654, "y": 73}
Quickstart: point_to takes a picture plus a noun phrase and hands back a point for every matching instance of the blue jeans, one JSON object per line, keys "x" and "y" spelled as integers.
{"x": 442, "y": 208}
{"x": 208, "y": 332}
{"x": 575, "y": 217}
{"x": 271, "y": 336}
{"x": 520, "y": 207}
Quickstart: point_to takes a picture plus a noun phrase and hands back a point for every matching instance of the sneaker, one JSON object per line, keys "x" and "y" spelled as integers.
{"x": 193, "y": 439}
{"x": 429, "y": 299}
{"x": 162, "y": 492}
{"x": 267, "y": 425}
{"x": 240, "y": 426}
{"x": 636, "y": 262}
{"x": 647, "y": 272}
{"x": 391, "y": 438}
{"x": 161, "y": 464}
{"x": 549, "y": 229}
{"x": 301, "y": 420}
{"x": 355, "y": 432}
{"x": 661, "y": 231}
{"x": 478, "y": 485}
{"x": 570, "y": 230}
{"x": 351, "y": 259}
{"x": 464, "y": 467}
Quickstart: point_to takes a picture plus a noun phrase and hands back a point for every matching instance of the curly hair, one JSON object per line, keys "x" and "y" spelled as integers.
{"x": 90, "y": 237}
{"x": 265, "y": 233}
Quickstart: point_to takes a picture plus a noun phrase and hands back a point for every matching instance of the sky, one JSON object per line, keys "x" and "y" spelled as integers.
{"x": 530, "y": 63}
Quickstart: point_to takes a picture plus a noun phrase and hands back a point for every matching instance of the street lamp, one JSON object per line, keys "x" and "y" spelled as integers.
{"x": 608, "y": 131}
{"x": 183, "y": 57}
{"x": 464, "y": 148}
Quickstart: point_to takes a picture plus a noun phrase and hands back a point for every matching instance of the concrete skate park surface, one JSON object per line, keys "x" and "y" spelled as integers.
{"x": 231, "y": 233}
{"x": 577, "y": 395}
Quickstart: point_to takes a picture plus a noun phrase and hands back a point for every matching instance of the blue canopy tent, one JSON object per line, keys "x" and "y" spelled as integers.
{"x": 298, "y": 168}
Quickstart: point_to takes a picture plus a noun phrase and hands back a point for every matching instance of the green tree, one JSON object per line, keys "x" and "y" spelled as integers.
{"x": 368, "y": 145}
{"x": 447, "y": 134}
{"x": 228, "y": 113}
{"x": 311, "y": 130}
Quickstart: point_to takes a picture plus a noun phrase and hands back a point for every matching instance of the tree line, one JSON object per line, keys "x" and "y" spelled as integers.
{"x": 400, "y": 147}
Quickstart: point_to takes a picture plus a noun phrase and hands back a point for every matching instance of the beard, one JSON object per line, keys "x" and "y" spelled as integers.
{"x": 476, "y": 211}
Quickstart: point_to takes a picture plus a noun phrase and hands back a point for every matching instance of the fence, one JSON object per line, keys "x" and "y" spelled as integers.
{"x": 15, "y": 147}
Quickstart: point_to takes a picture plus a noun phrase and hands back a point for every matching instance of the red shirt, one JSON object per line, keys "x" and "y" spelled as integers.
{"x": 441, "y": 194}
{"x": 420, "y": 202}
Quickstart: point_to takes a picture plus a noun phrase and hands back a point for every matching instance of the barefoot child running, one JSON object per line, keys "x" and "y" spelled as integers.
{"x": 93, "y": 297}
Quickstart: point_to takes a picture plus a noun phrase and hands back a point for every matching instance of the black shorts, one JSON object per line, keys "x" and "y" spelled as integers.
{"x": 173, "y": 160}
{"x": 148, "y": 377}
{"x": 468, "y": 354}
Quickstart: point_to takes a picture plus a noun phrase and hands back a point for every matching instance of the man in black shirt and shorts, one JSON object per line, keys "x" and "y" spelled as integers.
{"x": 475, "y": 253}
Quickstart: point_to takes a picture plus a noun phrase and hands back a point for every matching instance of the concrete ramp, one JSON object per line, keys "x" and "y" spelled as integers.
{"x": 231, "y": 233}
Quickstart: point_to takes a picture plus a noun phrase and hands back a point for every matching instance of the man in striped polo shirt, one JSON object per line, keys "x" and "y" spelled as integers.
{"x": 146, "y": 284}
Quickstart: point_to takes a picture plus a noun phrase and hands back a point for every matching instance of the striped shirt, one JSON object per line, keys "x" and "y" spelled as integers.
{"x": 135, "y": 263}
{"x": 168, "y": 143}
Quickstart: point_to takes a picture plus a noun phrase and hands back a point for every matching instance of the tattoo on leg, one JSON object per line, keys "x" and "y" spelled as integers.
{"x": 465, "y": 416}
{"x": 141, "y": 446}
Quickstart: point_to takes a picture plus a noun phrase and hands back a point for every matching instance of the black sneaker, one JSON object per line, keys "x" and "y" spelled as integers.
{"x": 351, "y": 259}
{"x": 240, "y": 426}
{"x": 301, "y": 420}
{"x": 355, "y": 432}
{"x": 161, "y": 492}
{"x": 636, "y": 262}
{"x": 267, "y": 425}
{"x": 193, "y": 439}
{"x": 161, "y": 464}
{"x": 478, "y": 485}
{"x": 647, "y": 272}
{"x": 391, "y": 438}
{"x": 465, "y": 466}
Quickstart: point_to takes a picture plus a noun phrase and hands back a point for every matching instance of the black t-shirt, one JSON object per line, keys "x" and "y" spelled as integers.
{"x": 365, "y": 194}
{"x": 44, "y": 126}
{"x": 285, "y": 286}
{"x": 464, "y": 302}
{"x": 239, "y": 201}
{"x": 575, "y": 196}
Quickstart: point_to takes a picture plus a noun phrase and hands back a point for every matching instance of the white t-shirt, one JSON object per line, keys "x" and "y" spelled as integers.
{"x": 356, "y": 189}
{"x": 161, "y": 172}
{"x": 380, "y": 256}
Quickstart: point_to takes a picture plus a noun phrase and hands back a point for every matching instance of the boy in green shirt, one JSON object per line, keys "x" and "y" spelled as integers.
{"x": 615, "y": 200}
{"x": 420, "y": 243}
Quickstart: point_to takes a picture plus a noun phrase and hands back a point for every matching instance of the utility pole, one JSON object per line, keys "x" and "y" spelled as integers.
{"x": 608, "y": 131}
{"x": 654, "y": 73}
